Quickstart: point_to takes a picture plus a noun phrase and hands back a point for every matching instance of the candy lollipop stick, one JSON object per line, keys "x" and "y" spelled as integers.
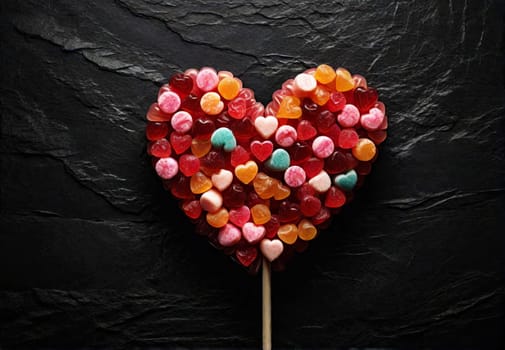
{"x": 267, "y": 306}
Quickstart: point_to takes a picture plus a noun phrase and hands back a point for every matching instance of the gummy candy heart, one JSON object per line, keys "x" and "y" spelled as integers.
{"x": 261, "y": 182}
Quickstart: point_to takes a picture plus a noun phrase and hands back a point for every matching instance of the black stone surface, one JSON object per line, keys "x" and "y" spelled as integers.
{"x": 94, "y": 253}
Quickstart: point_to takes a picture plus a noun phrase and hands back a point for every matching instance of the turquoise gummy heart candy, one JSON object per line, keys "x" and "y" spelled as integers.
{"x": 347, "y": 181}
{"x": 279, "y": 160}
{"x": 223, "y": 137}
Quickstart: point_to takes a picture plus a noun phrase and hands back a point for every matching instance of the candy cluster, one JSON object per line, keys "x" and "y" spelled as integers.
{"x": 261, "y": 181}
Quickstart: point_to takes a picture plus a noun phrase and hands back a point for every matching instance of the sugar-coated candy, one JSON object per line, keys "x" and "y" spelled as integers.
{"x": 239, "y": 216}
{"x": 372, "y": 120}
{"x": 306, "y": 230}
{"x": 211, "y": 201}
{"x": 223, "y": 137}
{"x": 211, "y": 103}
{"x": 246, "y": 172}
{"x": 324, "y": 74}
{"x": 347, "y": 181}
{"x": 288, "y": 233}
{"x": 199, "y": 183}
{"x": 321, "y": 182}
{"x": 381, "y": 106}
{"x": 279, "y": 160}
{"x": 229, "y": 235}
{"x": 169, "y": 102}
{"x": 189, "y": 164}
{"x": 266, "y": 126}
{"x": 364, "y": 150}
{"x": 322, "y": 147}
{"x": 160, "y": 149}
{"x": 263, "y": 181}
{"x": 253, "y": 233}
{"x": 222, "y": 179}
{"x": 294, "y": 176}
{"x": 218, "y": 219}
{"x": 285, "y": 136}
{"x": 271, "y": 249}
{"x": 349, "y": 116}
{"x": 166, "y": 168}
{"x": 207, "y": 79}
{"x": 260, "y": 214}
{"x": 305, "y": 82}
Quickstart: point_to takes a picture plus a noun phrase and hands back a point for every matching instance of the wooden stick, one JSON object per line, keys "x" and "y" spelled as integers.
{"x": 267, "y": 306}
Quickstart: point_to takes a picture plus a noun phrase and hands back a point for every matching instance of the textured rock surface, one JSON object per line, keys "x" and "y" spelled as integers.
{"x": 94, "y": 253}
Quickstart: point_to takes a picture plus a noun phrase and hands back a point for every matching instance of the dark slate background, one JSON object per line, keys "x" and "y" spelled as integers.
{"x": 94, "y": 253}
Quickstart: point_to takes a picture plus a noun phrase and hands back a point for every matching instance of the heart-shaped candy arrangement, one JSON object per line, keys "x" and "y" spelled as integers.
{"x": 262, "y": 181}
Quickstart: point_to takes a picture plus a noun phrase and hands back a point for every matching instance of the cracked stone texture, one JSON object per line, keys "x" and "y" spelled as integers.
{"x": 94, "y": 253}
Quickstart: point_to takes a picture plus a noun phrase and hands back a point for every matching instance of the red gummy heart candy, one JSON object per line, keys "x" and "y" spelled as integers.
{"x": 262, "y": 181}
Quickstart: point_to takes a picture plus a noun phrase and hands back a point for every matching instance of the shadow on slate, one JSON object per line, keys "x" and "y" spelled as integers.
{"x": 94, "y": 254}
